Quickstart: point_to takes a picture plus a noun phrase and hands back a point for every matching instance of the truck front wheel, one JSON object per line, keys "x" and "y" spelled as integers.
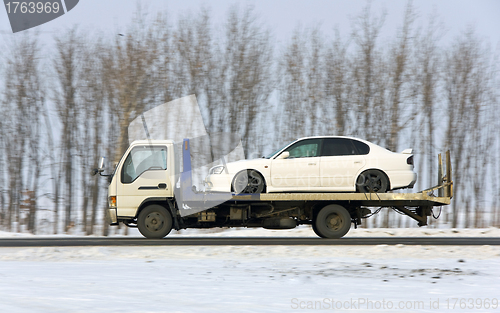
{"x": 154, "y": 222}
{"x": 332, "y": 221}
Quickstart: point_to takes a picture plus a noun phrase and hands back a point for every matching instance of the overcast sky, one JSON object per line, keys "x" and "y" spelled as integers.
{"x": 282, "y": 16}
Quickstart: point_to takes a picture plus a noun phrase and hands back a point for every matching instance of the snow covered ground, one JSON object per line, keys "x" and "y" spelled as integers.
{"x": 256, "y": 278}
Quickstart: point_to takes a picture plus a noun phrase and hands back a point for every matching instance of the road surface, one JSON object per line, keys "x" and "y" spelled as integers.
{"x": 250, "y": 241}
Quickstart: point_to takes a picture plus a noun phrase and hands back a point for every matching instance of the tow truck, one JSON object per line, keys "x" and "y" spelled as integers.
{"x": 148, "y": 191}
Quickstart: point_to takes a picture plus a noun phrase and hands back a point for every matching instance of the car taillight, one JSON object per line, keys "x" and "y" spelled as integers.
{"x": 409, "y": 160}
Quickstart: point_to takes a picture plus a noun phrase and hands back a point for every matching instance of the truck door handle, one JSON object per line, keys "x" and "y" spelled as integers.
{"x": 160, "y": 186}
{"x": 312, "y": 163}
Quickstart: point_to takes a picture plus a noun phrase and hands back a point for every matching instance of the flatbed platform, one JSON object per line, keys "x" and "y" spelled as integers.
{"x": 364, "y": 199}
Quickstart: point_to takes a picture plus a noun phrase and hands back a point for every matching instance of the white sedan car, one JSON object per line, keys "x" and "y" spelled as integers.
{"x": 318, "y": 164}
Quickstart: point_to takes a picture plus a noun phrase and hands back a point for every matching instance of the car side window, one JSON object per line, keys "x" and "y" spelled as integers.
{"x": 142, "y": 159}
{"x": 362, "y": 148}
{"x": 338, "y": 147}
{"x": 304, "y": 149}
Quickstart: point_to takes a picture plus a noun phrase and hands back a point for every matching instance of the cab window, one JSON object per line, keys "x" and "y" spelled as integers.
{"x": 142, "y": 159}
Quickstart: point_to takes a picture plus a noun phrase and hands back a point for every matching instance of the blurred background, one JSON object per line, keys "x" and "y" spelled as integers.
{"x": 394, "y": 73}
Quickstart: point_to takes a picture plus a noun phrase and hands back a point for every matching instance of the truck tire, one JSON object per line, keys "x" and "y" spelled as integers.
{"x": 316, "y": 230}
{"x": 332, "y": 221}
{"x": 154, "y": 222}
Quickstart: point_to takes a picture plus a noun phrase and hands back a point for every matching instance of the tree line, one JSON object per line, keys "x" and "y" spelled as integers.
{"x": 66, "y": 104}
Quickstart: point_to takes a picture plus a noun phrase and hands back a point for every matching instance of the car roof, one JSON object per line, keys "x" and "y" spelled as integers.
{"x": 320, "y": 137}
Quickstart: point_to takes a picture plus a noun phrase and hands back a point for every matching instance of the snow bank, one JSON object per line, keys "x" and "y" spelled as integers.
{"x": 254, "y": 278}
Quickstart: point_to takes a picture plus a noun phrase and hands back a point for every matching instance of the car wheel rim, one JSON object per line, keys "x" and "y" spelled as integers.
{"x": 247, "y": 183}
{"x": 371, "y": 182}
{"x": 253, "y": 184}
{"x": 375, "y": 182}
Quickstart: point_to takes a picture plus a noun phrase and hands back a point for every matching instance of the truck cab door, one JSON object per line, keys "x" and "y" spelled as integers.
{"x": 144, "y": 174}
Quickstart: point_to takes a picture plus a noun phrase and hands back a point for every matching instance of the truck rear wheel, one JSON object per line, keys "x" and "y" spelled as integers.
{"x": 332, "y": 221}
{"x": 316, "y": 230}
{"x": 154, "y": 222}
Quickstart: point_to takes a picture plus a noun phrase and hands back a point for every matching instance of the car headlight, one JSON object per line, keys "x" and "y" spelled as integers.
{"x": 216, "y": 169}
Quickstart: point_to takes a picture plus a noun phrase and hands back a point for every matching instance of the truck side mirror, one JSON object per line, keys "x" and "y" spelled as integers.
{"x": 101, "y": 164}
{"x": 284, "y": 155}
{"x": 100, "y": 169}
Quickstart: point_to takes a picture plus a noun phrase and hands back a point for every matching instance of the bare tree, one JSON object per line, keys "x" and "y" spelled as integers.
{"x": 22, "y": 102}
{"x": 93, "y": 113}
{"x": 427, "y": 75}
{"x": 131, "y": 70}
{"x": 54, "y": 165}
{"x": 67, "y": 68}
{"x": 302, "y": 93}
{"x": 369, "y": 80}
{"x": 467, "y": 88}
{"x": 399, "y": 57}
{"x": 246, "y": 74}
{"x": 338, "y": 86}
{"x": 195, "y": 68}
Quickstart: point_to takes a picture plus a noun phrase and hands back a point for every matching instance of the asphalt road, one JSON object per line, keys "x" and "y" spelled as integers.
{"x": 251, "y": 241}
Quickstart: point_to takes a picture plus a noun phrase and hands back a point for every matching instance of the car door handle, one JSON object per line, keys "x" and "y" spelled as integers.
{"x": 357, "y": 162}
{"x": 312, "y": 164}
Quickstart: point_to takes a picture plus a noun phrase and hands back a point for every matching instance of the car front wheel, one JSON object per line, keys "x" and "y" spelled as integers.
{"x": 248, "y": 181}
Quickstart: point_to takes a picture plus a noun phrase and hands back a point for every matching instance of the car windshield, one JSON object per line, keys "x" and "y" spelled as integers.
{"x": 274, "y": 153}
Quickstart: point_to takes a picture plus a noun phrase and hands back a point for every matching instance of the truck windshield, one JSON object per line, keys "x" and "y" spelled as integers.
{"x": 142, "y": 159}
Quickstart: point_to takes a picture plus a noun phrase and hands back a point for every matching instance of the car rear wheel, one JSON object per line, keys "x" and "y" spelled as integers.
{"x": 372, "y": 181}
{"x": 332, "y": 221}
{"x": 248, "y": 181}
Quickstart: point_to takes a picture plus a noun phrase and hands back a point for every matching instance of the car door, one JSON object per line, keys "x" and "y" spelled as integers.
{"x": 300, "y": 171}
{"x": 144, "y": 174}
{"x": 339, "y": 165}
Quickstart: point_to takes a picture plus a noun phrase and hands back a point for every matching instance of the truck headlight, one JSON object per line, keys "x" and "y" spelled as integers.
{"x": 216, "y": 169}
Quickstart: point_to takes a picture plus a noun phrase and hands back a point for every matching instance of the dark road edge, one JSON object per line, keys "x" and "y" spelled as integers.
{"x": 250, "y": 241}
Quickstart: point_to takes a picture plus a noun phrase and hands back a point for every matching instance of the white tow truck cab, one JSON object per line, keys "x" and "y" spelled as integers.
{"x": 143, "y": 174}
{"x": 148, "y": 191}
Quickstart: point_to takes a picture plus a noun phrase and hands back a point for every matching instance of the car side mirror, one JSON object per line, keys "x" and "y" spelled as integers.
{"x": 284, "y": 155}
